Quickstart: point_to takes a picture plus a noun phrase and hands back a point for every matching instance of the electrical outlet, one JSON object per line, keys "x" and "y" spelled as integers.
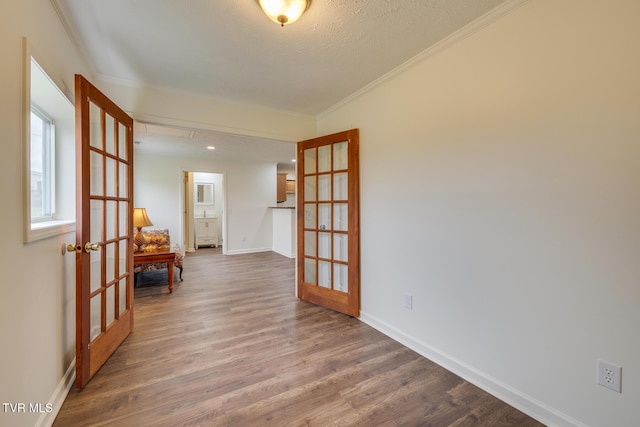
{"x": 408, "y": 301}
{"x": 610, "y": 376}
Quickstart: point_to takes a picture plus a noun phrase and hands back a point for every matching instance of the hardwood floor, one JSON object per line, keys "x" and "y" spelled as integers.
{"x": 232, "y": 346}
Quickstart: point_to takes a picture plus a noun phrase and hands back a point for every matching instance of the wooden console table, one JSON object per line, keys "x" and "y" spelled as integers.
{"x": 153, "y": 257}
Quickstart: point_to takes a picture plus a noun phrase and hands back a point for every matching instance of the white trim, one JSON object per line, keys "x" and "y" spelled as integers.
{"x": 464, "y": 32}
{"x": 58, "y": 397}
{"x": 248, "y": 251}
{"x": 46, "y": 229}
{"x": 521, "y": 401}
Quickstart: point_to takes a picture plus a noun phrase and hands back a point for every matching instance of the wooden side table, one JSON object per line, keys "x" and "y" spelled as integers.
{"x": 153, "y": 257}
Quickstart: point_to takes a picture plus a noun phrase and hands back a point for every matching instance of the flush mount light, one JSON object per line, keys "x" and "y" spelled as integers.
{"x": 284, "y": 11}
{"x": 210, "y": 147}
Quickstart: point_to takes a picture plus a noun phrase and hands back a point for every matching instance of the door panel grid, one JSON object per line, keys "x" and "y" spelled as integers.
{"x": 104, "y": 289}
{"x": 328, "y": 221}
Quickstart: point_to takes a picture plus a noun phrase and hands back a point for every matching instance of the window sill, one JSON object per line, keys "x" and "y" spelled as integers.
{"x": 47, "y": 229}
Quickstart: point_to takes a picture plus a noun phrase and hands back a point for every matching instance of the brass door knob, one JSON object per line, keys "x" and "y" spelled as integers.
{"x": 71, "y": 248}
{"x": 88, "y": 247}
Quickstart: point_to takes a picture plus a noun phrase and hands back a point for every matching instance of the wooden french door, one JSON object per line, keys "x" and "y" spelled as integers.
{"x": 104, "y": 249}
{"x": 328, "y": 222}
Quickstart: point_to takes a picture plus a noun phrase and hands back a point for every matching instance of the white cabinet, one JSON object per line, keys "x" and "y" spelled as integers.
{"x": 206, "y": 232}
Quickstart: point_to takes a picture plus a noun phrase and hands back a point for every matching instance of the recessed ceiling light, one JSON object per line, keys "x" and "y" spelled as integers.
{"x": 293, "y": 160}
{"x": 210, "y": 147}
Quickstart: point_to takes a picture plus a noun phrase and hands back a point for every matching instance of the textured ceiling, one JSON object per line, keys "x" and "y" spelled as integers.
{"x": 229, "y": 49}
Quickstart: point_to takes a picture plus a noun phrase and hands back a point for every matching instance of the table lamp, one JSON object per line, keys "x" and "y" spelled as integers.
{"x": 140, "y": 219}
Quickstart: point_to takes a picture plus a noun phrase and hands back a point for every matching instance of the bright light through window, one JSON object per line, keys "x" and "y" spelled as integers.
{"x": 41, "y": 166}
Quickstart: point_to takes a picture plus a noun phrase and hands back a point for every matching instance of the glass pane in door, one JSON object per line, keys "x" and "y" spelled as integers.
{"x": 310, "y": 271}
{"x": 310, "y": 189}
{"x": 122, "y": 296}
{"x": 95, "y": 126}
{"x": 122, "y": 180}
{"x": 96, "y": 271}
{"x": 324, "y": 158}
{"x": 324, "y": 187}
{"x": 340, "y": 277}
{"x": 122, "y": 141}
{"x": 340, "y": 216}
{"x": 96, "y": 174}
{"x": 341, "y": 186}
{"x": 95, "y": 316}
{"x": 122, "y": 255}
{"x": 324, "y": 274}
{"x": 110, "y": 140}
{"x": 324, "y": 245}
{"x": 96, "y": 218}
{"x": 310, "y": 243}
{"x": 340, "y": 247}
{"x": 111, "y": 173}
{"x": 324, "y": 216}
{"x": 340, "y": 158}
{"x": 310, "y": 215}
{"x": 111, "y": 305}
{"x": 310, "y": 161}
{"x": 110, "y": 254}
{"x": 123, "y": 218}
{"x": 111, "y": 219}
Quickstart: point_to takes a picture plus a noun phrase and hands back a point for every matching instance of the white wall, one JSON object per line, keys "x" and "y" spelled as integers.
{"x": 509, "y": 166}
{"x": 249, "y": 189}
{"x": 37, "y": 291}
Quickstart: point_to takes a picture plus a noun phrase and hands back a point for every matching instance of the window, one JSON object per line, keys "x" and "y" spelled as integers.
{"x": 42, "y": 149}
{"x": 49, "y": 153}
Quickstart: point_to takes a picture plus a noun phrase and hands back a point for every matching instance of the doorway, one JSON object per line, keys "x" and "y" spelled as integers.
{"x": 204, "y": 220}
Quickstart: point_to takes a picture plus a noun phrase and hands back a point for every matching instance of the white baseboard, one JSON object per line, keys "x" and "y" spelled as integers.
{"x": 248, "y": 251}
{"x": 521, "y": 401}
{"x": 283, "y": 253}
{"x": 58, "y": 397}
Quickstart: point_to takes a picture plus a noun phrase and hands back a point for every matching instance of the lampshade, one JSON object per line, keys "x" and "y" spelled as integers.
{"x": 284, "y": 11}
{"x": 140, "y": 218}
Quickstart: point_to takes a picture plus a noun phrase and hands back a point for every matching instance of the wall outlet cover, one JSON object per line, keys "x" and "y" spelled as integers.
{"x": 609, "y": 375}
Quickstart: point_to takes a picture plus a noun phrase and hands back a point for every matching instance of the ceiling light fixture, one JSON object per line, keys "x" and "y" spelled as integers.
{"x": 284, "y": 11}
{"x": 210, "y": 147}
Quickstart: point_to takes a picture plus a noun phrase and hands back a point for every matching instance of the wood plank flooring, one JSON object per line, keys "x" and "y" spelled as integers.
{"x": 232, "y": 346}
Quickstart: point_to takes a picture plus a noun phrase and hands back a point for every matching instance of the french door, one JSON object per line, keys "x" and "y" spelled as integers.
{"x": 104, "y": 249}
{"x": 328, "y": 222}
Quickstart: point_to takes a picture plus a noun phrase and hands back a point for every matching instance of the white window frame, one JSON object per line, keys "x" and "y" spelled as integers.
{"x": 56, "y": 223}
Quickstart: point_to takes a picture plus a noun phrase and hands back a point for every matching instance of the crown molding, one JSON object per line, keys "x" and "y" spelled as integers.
{"x": 64, "y": 15}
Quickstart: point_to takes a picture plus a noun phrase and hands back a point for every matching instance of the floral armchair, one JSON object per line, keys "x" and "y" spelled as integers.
{"x": 157, "y": 240}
